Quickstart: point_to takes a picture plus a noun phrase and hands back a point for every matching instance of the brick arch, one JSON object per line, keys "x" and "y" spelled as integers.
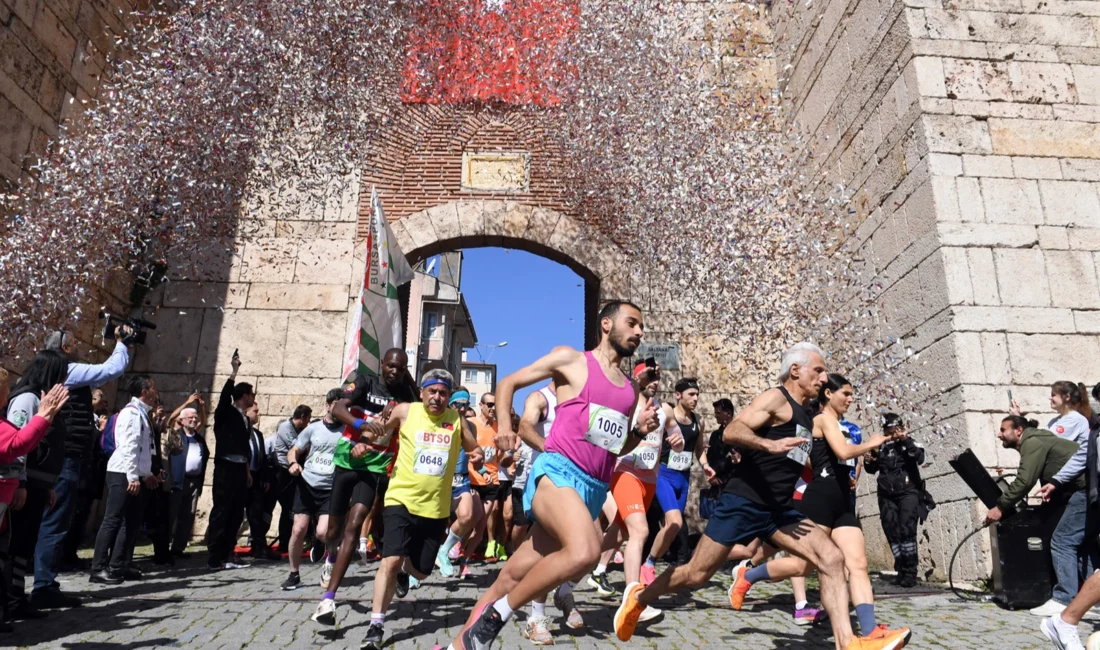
{"x": 555, "y": 235}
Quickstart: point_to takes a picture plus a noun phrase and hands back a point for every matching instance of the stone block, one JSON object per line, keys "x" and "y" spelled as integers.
{"x": 445, "y": 221}
{"x": 400, "y": 235}
{"x": 1012, "y": 200}
{"x": 494, "y": 214}
{"x": 1044, "y": 138}
{"x": 971, "y": 204}
{"x": 1021, "y": 277}
{"x": 516, "y": 220}
{"x": 998, "y": 370}
{"x": 1072, "y": 279}
{"x": 314, "y": 229}
{"x": 260, "y": 335}
{"x": 983, "y": 276}
{"x": 1070, "y": 203}
{"x": 930, "y": 76}
{"x": 324, "y": 261}
{"x": 269, "y": 259}
{"x": 946, "y": 199}
{"x": 956, "y": 275}
{"x": 959, "y": 49}
{"x": 54, "y": 36}
{"x": 1045, "y": 358}
{"x": 173, "y": 345}
{"x": 1087, "y": 322}
{"x": 542, "y": 225}
{"x": 1084, "y": 239}
{"x": 942, "y": 164}
{"x": 420, "y": 229}
{"x": 315, "y": 344}
{"x": 993, "y": 166}
{"x": 298, "y": 297}
{"x": 1044, "y": 168}
{"x": 986, "y": 234}
{"x": 205, "y": 294}
{"x": 207, "y": 261}
{"x": 1029, "y": 28}
{"x": 955, "y": 134}
{"x": 1080, "y": 170}
{"x": 1013, "y": 319}
{"x": 1053, "y": 238}
{"x": 1087, "y": 80}
{"x": 470, "y": 218}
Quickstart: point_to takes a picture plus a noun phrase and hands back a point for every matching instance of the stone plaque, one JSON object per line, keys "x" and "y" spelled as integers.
{"x": 667, "y": 356}
{"x": 495, "y": 172}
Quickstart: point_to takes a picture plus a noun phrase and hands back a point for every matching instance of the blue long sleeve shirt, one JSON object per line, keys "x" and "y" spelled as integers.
{"x": 86, "y": 374}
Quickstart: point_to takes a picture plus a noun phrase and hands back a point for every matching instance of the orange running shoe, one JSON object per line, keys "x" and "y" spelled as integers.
{"x": 882, "y": 638}
{"x": 626, "y": 617}
{"x": 739, "y": 589}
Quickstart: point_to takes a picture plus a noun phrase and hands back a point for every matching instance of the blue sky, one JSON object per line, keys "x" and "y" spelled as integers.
{"x": 544, "y": 308}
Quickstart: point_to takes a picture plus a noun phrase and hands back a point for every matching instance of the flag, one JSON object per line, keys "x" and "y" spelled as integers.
{"x": 376, "y": 325}
{"x": 508, "y": 51}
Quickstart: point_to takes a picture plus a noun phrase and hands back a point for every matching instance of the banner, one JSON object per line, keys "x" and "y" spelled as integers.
{"x": 508, "y": 51}
{"x": 376, "y": 326}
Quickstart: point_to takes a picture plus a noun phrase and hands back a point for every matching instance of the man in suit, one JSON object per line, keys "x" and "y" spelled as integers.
{"x": 260, "y": 491}
{"x": 232, "y": 431}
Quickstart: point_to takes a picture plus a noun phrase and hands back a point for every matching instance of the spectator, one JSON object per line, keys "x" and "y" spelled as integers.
{"x": 259, "y": 490}
{"x": 284, "y": 483}
{"x": 1068, "y": 548}
{"x": 79, "y": 441}
{"x": 187, "y": 457}
{"x": 897, "y": 464}
{"x": 1042, "y": 455}
{"x": 157, "y": 502}
{"x": 16, "y": 442}
{"x": 36, "y": 472}
{"x": 93, "y": 478}
{"x": 128, "y": 469}
{"x": 231, "y": 477}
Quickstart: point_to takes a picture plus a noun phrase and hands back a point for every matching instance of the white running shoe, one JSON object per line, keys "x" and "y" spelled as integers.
{"x": 649, "y": 613}
{"x": 1093, "y": 642}
{"x": 1062, "y": 635}
{"x": 325, "y": 614}
{"x": 536, "y": 629}
{"x": 1047, "y": 609}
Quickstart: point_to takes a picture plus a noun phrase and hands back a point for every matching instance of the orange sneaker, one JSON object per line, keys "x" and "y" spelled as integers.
{"x": 882, "y": 638}
{"x": 626, "y": 617}
{"x": 739, "y": 589}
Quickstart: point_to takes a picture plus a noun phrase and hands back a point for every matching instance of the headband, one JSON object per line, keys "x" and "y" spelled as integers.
{"x": 685, "y": 384}
{"x": 459, "y": 396}
{"x": 434, "y": 381}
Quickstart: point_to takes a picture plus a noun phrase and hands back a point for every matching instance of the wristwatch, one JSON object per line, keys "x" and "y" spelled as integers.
{"x": 636, "y": 432}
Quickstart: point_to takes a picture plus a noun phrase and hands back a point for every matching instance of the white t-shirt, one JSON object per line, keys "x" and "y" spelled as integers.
{"x": 1071, "y": 426}
{"x": 320, "y": 438}
{"x": 193, "y": 464}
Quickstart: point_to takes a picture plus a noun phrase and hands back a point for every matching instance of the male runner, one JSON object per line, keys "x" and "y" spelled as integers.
{"x": 418, "y": 501}
{"x": 310, "y": 462}
{"x": 357, "y": 478}
{"x": 486, "y": 481}
{"x": 568, "y": 483}
{"x": 773, "y": 432}
{"x": 674, "y": 474}
{"x": 465, "y": 504}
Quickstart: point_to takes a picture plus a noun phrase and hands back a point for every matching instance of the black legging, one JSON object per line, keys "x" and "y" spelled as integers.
{"x": 899, "y": 523}
{"x": 24, "y": 537}
{"x": 230, "y": 497}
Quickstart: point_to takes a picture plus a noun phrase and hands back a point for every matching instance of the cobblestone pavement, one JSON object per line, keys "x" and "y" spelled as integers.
{"x": 191, "y": 607}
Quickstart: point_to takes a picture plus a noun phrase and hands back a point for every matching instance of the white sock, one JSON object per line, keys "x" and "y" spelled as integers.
{"x": 362, "y": 542}
{"x": 801, "y": 604}
{"x": 600, "y": 570}
{"x": 503, "y": 609}
{"x": 1057, "y": 618}
{"x": 538, "y": 609}
{"x": 452, "y": 541}
{"x": 566, "y": 588}
{"x": 378, "y": 618}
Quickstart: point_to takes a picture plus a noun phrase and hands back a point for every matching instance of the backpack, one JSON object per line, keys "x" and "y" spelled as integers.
{"x": 107, "y": 438}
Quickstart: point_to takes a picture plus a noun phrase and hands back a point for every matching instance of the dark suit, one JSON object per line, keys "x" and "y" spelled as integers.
{"x": 231, "y": 439}
{"x": 261, "y": 496}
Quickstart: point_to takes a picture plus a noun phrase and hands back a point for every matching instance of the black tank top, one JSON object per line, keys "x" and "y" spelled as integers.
{"x": 769, "y": 479}
{"x": 826, "y": 465}
{"x": 691, "y": 435}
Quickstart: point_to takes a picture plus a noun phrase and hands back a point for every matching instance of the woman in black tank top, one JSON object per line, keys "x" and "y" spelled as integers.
{"x": 826, "y": 501}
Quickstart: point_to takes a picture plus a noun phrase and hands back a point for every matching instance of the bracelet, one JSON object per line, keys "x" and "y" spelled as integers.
{"x": 637, "y": 433}
{"x": 359, "y": 422}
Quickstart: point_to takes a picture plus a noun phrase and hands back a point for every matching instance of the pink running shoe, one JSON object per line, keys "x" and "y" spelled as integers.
{"x": 809, "y": 616}
{"x": 649, "y": 574}
{"x": 455, "y": 552}
{"x": 465, "y": 572}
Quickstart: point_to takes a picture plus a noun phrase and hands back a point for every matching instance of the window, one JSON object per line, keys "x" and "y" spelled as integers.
{"x": 470, "y": 376}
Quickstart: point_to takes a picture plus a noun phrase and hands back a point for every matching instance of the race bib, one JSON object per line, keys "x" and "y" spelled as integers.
{"x": 606, "y": 428}
{"x": 490, "y": 453}
{"x": 646, "y": 458}
{"x": 679, "y": 460}
{"x": 433, "y": 453}
{"x": 319, "y": 463}
{"x": 460, "y": 480}
{"x": 801, "y": 453}
{"x": 851, "y": 462}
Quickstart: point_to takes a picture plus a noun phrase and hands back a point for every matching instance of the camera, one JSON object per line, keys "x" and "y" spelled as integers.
{"x": 137, "y": 325}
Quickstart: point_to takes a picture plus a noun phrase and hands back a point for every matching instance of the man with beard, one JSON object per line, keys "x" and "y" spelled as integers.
{"x": 361, "y": 476}
{"x": 569, "y": 482}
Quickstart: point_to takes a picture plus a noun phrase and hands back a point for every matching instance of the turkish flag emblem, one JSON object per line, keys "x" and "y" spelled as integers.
{"x": 1059, "y": 429}
{"x": 506, "y": 51}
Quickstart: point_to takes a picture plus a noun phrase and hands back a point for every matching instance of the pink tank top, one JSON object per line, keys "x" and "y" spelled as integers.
{"x": 592, "y": 428}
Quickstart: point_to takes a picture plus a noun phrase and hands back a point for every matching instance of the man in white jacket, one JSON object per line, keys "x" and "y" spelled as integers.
{"x": 129, "y": 466}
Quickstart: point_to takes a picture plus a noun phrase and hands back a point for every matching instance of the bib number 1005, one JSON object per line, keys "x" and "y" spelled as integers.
{"x": 606, "y": 429}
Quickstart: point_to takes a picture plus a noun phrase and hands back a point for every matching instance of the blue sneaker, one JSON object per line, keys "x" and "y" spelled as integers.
{"x": 446, "y": 567}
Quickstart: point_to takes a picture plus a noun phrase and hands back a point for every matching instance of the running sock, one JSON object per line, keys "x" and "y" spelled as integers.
{"x": 503, "y": 609}
{"x": 566, "y": 588}
{"x": 329, "y": 595}
{"x": 600, "y": 570}
{"x": 538, "y": 609}
{"x": 757, "y": 573}
{"x": 802, "y": 604}
{"x": 866, "y": 615}
{"x": 649, "y": 561}
{"x": 452, "y": 541}
{"x": 363, "y": 542}
{"x": 379, "y": 619}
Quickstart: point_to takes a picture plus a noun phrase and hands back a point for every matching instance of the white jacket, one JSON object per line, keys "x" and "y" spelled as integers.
{"x": 133, "y": 454}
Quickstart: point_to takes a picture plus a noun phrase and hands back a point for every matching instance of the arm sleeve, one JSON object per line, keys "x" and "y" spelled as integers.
{"x": 85, "y": 374}
{"x": 1031, "y": 462}
{"x": 16, "y": 442}
{"x": 20, "y": 412}
{"x": 871, "y": 466}
{"x": 127, "y": 440}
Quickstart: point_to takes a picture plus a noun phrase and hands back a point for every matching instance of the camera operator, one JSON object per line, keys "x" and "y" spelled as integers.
{"x": 232, "y": 479}
{"x": 80, "y": 438}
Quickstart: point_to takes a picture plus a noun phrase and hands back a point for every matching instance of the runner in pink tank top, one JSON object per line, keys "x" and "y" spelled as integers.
{"x": 568, "y": 483}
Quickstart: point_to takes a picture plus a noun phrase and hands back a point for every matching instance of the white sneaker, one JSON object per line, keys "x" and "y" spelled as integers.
{"x": 1093, "y": 642}
{"x": 1062, "y": 635}
{"x": 1049, "y": 608}
{"x": 649, "y": 613}
{"x": 325, "y": 614}
{"x": 326, "y": 574}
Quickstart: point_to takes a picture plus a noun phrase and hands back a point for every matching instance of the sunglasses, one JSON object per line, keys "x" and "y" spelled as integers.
{"x": 490, "y": 405}
{"x": 461, "y": 405}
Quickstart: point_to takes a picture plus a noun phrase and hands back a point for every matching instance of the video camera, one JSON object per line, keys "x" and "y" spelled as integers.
{"x": 137, "y": 325}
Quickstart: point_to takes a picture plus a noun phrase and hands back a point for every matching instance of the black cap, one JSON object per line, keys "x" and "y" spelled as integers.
{"x": 892, "y": 420}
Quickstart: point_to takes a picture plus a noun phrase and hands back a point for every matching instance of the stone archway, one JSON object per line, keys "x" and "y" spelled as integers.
{"x": 549, "y": 233}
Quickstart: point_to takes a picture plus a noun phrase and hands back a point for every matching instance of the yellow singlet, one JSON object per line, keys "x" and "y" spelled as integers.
{"x": 426, "y": 454}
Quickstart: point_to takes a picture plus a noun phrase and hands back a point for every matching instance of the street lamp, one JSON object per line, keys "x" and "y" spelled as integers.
{"x": 477, "y": 348}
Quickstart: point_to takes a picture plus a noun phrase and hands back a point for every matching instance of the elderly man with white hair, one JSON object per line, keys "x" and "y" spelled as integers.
{"x": 188, "y": 454}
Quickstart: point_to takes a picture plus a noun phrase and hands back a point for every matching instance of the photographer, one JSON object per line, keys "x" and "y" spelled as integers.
{"x": 80, "y": 438}
{"x": 129, "y": 469}
{"x": 232, "y": 431}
